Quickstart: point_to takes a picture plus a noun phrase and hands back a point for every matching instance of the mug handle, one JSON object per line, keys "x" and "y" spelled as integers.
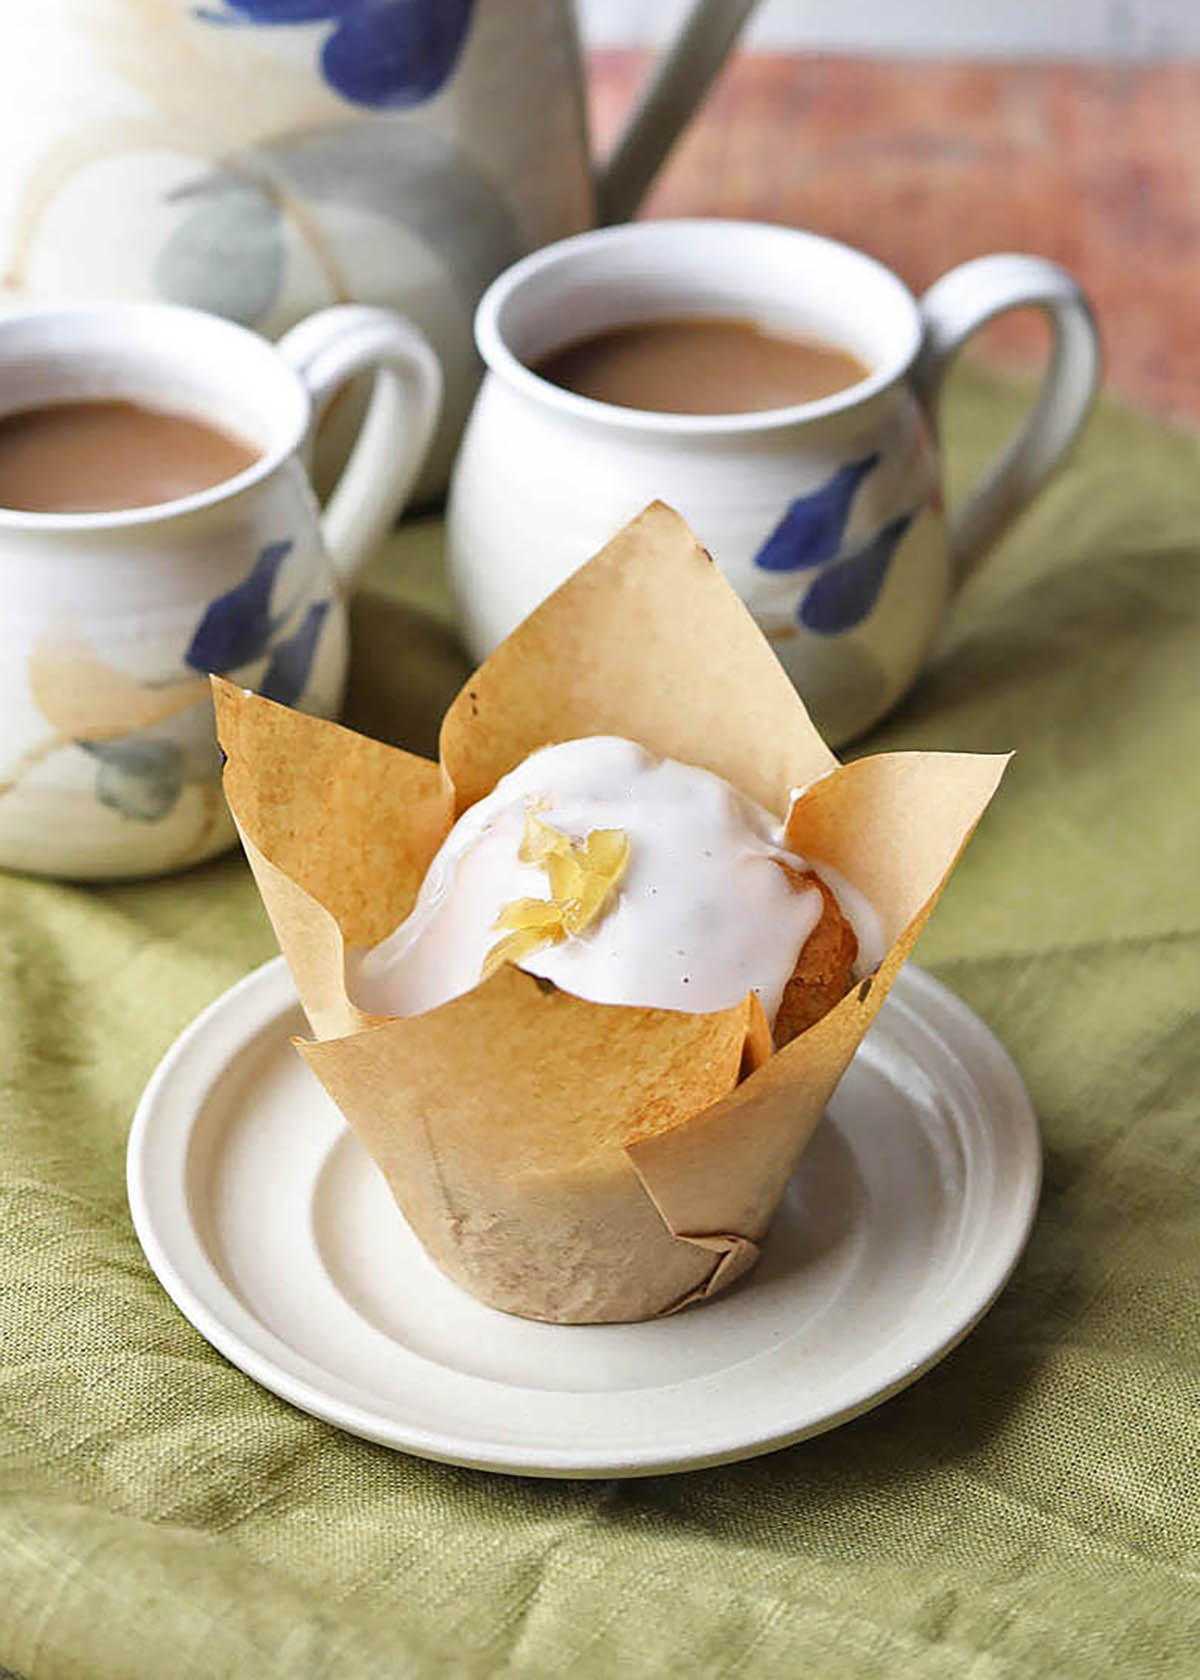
{"x": 327, "y": 350}
{"x": 952, "y": 309}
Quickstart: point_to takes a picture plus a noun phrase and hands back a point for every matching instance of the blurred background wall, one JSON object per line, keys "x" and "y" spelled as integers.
{"x": 1077, "y": 28}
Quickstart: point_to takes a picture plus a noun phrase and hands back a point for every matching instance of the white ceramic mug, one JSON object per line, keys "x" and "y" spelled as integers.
{"x": 827, "y": 516}
{"x": 110, "y": 622}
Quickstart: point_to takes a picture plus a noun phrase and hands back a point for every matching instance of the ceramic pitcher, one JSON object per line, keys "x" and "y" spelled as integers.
{"x": 264, "y": 158}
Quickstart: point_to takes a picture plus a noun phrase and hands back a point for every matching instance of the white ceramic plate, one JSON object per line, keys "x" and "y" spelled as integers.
{"x": 272, "y": 1231}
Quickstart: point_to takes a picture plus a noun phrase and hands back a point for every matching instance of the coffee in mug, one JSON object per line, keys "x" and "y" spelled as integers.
{"x": 98, "y": 457}
{"x": 701, "y": 365}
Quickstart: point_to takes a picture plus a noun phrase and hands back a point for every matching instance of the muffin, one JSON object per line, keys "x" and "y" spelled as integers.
{"x": 572, "y": 1131}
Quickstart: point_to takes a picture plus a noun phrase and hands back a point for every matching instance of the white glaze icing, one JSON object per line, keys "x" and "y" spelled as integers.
{"x": 702, "y": 916}
{"x": 862, "y": 916}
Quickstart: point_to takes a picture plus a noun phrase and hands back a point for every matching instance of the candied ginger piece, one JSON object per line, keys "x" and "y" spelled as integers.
{"x": 540, "y": 842}
{"x": 522, "y": 942}
{"x": 583, "y": 875}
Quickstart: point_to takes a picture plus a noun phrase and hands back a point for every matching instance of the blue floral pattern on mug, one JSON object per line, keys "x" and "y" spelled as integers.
{"x": 845, "y": 593}
{"x": 811, "y": 537}
{"x": 286, "y": 677}
{"x": 385, "y": 54}
{"x": 811, "y": 531}
{"x": 237, "y": 627}
{"x": 144, "y": 737}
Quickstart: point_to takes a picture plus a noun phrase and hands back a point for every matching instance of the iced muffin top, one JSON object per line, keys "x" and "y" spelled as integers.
{"x": 621, "y": 877}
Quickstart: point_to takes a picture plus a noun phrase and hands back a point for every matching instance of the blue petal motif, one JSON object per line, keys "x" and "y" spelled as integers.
{"x": 390, "y": 54}
{"x": 845, "y": 592}
{"x": 286, "y": 676}
{"x": 236, "y": 627}
{"x": 288, "y": 11}
{"x": 811, "y": 531}
{"x": 139, "y": 778}
{"x": 386, "y": 54}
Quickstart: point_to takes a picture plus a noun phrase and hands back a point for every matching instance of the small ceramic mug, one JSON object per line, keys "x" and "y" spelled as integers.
{"x": 110, "y": 622}
{"x": 827, "y": 516}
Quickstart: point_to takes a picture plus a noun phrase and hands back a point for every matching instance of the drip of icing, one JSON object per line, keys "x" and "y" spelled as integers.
{"x": 853, "y": 903}
{"x": 702, "y": 916}
{"x": 862, "y": 916}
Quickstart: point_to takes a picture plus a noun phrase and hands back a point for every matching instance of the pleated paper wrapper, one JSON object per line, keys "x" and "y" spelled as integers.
{"x": 561, "y": 1159}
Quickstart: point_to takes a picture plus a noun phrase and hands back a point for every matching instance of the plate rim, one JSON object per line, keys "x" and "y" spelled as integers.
{"x": 270, "y": 986}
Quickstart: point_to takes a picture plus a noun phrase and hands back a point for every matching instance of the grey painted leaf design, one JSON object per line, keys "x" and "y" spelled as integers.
{"x": 328, "y": 181}
{"x": 406, "y": 173}
{"x": 140, "y": 778}
{"x": 227, "y": 256}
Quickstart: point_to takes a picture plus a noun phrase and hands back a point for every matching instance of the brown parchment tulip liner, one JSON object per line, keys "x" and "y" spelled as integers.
{"x": 561, "y": 1159}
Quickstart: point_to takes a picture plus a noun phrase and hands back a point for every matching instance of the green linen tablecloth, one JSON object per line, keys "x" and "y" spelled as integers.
{"x": 1029, "y": 1508}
